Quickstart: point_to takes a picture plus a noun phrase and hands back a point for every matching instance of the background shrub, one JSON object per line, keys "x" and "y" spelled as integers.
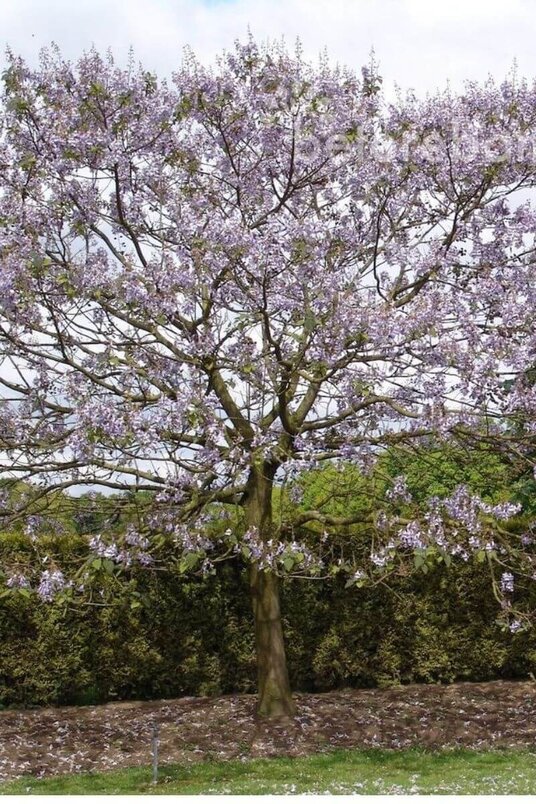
{"x": 195, "y": 637}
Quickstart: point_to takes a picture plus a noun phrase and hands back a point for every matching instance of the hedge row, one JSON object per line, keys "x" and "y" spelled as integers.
{"x": 195, "y": 638}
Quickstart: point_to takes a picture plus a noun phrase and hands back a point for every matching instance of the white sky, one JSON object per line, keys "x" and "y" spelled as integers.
{"x": 418, "y": 43}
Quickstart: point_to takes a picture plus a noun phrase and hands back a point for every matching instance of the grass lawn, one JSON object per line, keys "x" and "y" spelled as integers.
{"x": 339, "y": 772}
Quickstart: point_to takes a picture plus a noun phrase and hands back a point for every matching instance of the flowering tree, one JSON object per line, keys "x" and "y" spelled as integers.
{"x": 211, "y": 284}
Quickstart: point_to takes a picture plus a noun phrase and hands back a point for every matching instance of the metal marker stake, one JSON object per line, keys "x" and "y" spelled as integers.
{"x": 154, "y": 746}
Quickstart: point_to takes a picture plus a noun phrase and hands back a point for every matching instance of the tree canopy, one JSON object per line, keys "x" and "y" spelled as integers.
{"x": 211, "y": 284}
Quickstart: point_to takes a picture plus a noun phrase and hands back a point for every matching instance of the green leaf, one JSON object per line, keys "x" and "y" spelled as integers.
{"x": 309, "y": 321}
{"x": 189, "y": 561}
{"x": 28, "y": 161}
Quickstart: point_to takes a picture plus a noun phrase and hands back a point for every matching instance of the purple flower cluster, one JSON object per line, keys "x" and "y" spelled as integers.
{"x": 295, "y": 493}
{"x": 379, "y": 558}
{"x": 464, "y": 507}
{"x": 190, "y": 540}
{"x": 469, "y": 510}
{"x": 51, "y": 583}
{"x": 32, "y": 525}
{"x": 135, "y": 539}
{"x": 411, "y": 536}
{"x": 18, "y": 581}
{"x": 399, "y": 491}
{"x": 507, "y": 583}
{"x": 272, "y": 554}
{"x": 302, "y": 557}
{"x": 102, "y": 549}
{"x": 135, "y": 549}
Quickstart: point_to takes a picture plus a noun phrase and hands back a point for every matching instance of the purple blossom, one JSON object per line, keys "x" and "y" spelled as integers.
{"x": 507, "y": 582}
{"x": 458, "y": 550}
{"x": 144, "y": 559}
{"x": 295, "y": 493}
{"x": 382, "y": 520}
{"x": 379, "y": 559}
{"x": 399, "y": 491}
{"x": 32, "y": 525}
{"x": 207, "y": 567}
{"x": 505, "y": 510}
{"x": 411, "y": 536}
{"x": 124, "y": 557}
{"x": 51, "y": 583}
{"x": 102, "y": 549}
{"x": 190, "y": 540}
{"x": 18, "y": 581}
{"x": 464, "y": 507}
{"x": 135, "y": 539}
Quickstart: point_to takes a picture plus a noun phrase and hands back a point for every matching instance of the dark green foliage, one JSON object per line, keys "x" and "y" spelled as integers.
{"x": 188, "y": 637}
{"x": 425, "y": 629}
{"x": 192, "y": 636}
{"x": 195, "y": 638}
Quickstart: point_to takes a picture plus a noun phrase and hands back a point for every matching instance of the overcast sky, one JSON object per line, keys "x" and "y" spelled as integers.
{"x": 418, "y": 43}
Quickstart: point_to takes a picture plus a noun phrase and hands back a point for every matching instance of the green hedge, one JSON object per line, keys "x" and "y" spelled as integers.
{"x": 195, "y": 638}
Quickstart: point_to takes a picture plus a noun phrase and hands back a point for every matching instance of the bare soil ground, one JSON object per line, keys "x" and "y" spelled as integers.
{"x": 44, "y": 742}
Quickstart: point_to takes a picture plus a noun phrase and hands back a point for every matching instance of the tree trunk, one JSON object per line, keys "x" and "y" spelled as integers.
{"x": 274, "y": 695}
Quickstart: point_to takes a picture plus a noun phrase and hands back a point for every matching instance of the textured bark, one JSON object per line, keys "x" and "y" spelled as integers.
{"x": 274, "y": 695}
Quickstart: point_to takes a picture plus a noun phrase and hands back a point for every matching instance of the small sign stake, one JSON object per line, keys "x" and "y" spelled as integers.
{"x": 154, "y": 747}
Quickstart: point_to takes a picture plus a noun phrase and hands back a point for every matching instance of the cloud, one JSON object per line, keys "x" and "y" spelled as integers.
{"x": 418, "y": 43}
